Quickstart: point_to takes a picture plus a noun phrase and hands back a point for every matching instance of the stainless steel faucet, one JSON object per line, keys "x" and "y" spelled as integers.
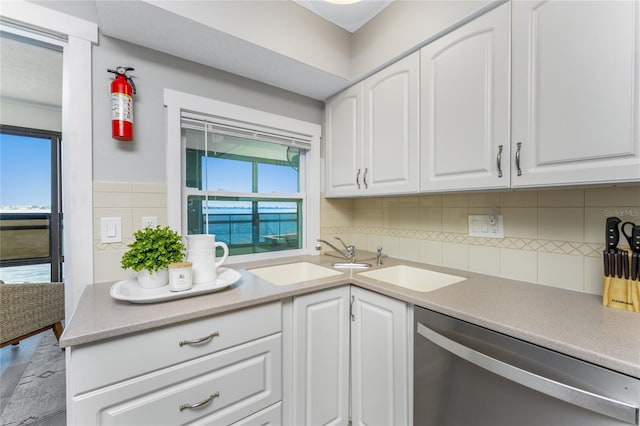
{"x": 349, "y": 253}
{"x": 379, "y": 256}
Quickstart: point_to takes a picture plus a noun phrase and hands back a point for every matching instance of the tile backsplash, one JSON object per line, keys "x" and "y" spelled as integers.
{"x": 131, "y": 202}
{"x": 552, "y": 237}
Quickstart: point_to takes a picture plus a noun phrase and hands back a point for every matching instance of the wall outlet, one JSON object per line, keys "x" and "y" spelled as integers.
{"x": 487, "y": 226}
{"x": 149, "y": 221}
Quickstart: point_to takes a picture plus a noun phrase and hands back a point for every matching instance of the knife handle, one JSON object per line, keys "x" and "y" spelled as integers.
{"x": 605, "y": 256}
{"x": 612, "y": 264}
{"x": 635, "y": 258}
{"x": 628, "y": 236}
{"x": 635, "y": 239}
{"x": 625, "y": 263}
{"x": 618, "y": 256}
{"x": 612, "y": 233}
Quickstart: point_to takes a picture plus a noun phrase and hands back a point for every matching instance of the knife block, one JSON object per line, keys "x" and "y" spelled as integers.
{"x": 621, "y": 293}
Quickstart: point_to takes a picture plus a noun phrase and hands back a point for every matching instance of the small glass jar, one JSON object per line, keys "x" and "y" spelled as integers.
{"x": 180, "y": 276}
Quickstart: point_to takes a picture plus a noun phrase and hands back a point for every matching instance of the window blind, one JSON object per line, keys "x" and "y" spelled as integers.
{"x": 244, "y": 130}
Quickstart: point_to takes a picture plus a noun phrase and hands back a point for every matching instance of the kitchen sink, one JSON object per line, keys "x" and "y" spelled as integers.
{"x": 292, "y": 273}
{"x": 413, "y": 278}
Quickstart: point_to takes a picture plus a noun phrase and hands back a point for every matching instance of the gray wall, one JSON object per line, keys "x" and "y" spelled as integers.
{"x": 143, "y": 159}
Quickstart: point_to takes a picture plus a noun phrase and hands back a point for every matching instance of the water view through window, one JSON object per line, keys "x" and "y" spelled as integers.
{"x": 263, "y": 211}
{"x": 27, "y": 194}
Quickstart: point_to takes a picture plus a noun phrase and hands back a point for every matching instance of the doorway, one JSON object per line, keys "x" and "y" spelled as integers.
{"x": 30, "y": 172}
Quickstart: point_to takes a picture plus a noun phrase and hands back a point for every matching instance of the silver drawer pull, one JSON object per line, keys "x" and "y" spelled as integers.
{"x": 364, "y": 179}
{"x": 499, "y": 161}
{"x": 201, "y": 403}
{"x": 200, "y": 340}
{"x": 358, "y": 178}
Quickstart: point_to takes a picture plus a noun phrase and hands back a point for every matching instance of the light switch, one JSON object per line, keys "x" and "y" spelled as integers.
{"x": 110, "y": 230}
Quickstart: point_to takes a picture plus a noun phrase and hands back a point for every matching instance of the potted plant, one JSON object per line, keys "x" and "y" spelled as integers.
{"x": 151, "y": 253}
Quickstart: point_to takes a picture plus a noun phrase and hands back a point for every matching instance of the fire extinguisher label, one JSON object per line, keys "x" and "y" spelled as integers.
{"x": 121, "y": 107}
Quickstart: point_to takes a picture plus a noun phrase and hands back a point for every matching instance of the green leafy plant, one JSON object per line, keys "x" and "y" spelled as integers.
{"x": 153, "y": 249}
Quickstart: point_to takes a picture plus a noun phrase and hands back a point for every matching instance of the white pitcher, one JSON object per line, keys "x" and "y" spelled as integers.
{"x": 201, "y": 252}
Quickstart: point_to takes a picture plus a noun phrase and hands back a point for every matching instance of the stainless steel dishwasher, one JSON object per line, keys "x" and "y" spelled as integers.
{"x": 467, "y": 375}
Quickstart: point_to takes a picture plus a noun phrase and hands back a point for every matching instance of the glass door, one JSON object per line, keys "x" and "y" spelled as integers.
{"x": 30, "y": 206}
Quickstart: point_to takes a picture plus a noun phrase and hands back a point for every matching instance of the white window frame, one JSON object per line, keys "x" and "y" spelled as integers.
{"x": 177, "y": 102}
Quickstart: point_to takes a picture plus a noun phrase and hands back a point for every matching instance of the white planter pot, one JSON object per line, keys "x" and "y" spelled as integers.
{"x": 157, "y": 279}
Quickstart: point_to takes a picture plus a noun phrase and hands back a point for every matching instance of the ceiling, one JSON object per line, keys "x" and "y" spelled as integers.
{"x": 30, "y": 72}
{"x": 348, "y": 16}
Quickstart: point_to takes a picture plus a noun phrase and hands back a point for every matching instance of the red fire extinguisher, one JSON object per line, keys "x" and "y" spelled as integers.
{"x": 122, "y": 91}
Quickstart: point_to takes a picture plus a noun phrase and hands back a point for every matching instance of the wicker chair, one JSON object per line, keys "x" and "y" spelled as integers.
{"x": 29, "y": 309}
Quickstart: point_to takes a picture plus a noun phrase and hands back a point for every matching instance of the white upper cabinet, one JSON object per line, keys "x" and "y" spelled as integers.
{"x": 465, "y": 106}
{"x": 391, "y": 129}
{"x": 344, "y": 142}
{"x": 576, "y": 92}
{"x": 372, "y": 134}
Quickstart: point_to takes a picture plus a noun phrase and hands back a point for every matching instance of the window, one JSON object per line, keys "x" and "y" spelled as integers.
{"x": 242, "y": 178}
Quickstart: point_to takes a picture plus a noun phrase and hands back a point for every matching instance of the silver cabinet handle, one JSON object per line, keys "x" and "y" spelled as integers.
{"x": 364, "y": 179}
{"x": 591, "y": 401}
{"x": 499, "y": 160}
{"x": 200, "y": 340}
{"x": 519, "y": 144}
{"x": 358, "y": 178}
{"x": 201, "y": 403}
{"x": 353, "y": 317}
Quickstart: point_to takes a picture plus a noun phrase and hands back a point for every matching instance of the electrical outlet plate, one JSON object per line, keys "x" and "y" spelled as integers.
{"x": 149, "y": 221}
{"x": 487, "y": 226}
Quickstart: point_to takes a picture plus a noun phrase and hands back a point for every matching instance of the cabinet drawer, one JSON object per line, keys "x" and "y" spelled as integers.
{"x": 244, "y": 380}
{"x": 269, "y": 416}
{"x": 111, "y": 361}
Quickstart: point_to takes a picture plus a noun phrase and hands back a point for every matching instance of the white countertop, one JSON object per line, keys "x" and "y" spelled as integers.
{"x": 570, "y": 322}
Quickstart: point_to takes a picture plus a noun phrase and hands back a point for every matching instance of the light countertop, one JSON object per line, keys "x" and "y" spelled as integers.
{"x": 569, "y": 322}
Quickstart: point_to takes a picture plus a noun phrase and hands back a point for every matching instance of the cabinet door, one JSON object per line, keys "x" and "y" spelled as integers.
{"x": 576, "y": 92}
{"x": 465, "y": 106}
{"x": 344, "y": 143}
{"x": 379, "y": 360}
{"x": 391, "y": 130}
{"x": 321, "y": 358}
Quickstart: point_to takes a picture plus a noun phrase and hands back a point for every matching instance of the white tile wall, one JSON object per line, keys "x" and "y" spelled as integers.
{"x": 552, "y": 237}
{"x": 130, "y": 201}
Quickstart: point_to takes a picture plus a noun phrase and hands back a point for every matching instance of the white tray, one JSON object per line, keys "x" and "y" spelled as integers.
{"x": 130, "y": 291}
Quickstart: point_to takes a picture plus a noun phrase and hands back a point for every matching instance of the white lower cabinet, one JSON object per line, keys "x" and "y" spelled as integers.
{"x": 370, "y": 383}
{"x": 210, "y": 383}
{"x": 320, "y": 358}
{"x": 380, "y": 367}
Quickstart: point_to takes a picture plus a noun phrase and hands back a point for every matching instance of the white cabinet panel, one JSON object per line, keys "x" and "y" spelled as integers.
{"x": 230, "y": 385}
{"x": 576, "y": 92}
{"x": 380, "y": 366}
{"x": 321, "y": 358}
{"x": 135, "y": 354}
{"x": 344, "y": 146}
{"x": 372, "y": 134}
{"x": 391, "y": 131}
{"x": 465, "y": 106}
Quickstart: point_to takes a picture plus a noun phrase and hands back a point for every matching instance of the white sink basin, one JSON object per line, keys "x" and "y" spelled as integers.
{"x": 293, "y": 273}
{"x": 413, "y": 278}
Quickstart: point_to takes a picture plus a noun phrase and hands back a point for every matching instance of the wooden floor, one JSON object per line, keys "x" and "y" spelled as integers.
{"x": 13, "y": 362}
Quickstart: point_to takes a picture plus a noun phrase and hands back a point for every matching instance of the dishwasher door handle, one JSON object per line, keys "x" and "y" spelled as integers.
{"x": 600, "y": 404}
